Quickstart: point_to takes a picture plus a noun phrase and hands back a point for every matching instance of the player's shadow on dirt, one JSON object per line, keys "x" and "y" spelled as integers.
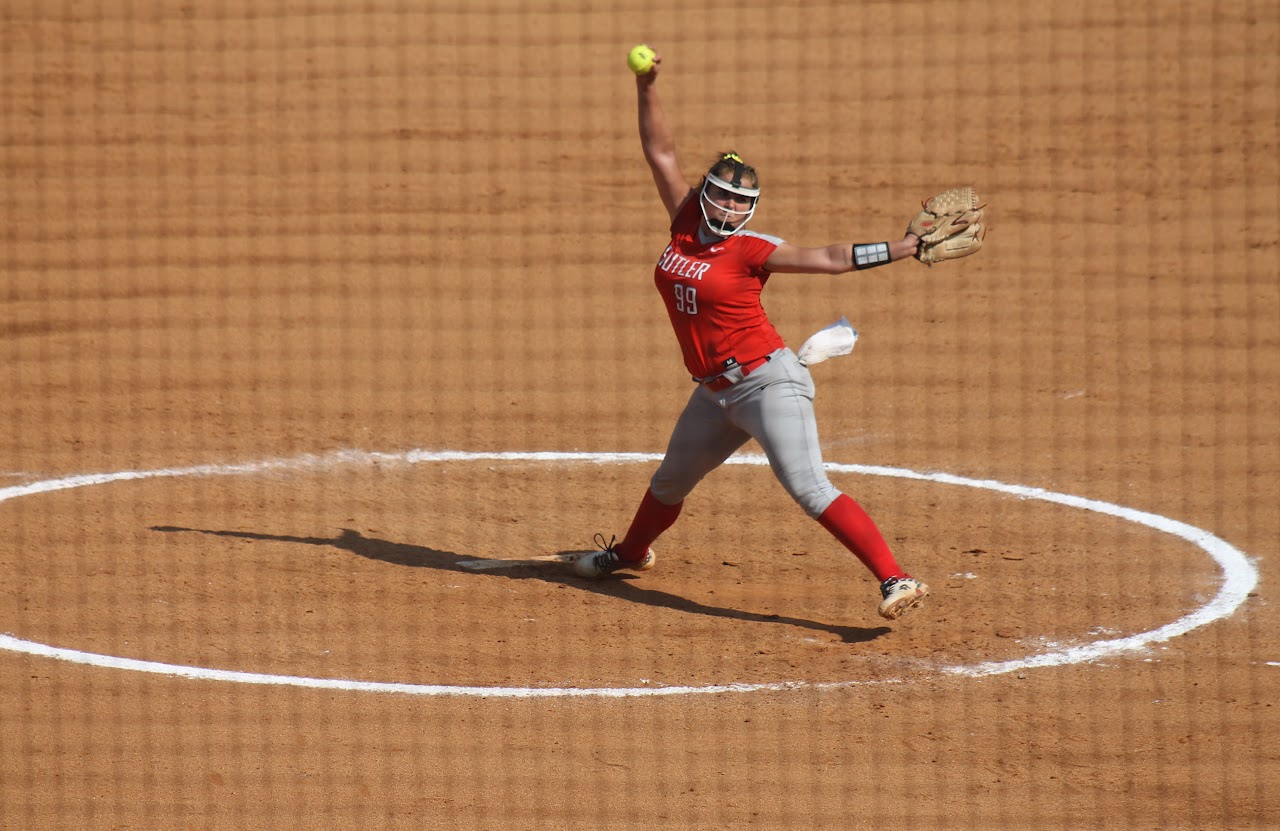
{"x": 420, "y": 556}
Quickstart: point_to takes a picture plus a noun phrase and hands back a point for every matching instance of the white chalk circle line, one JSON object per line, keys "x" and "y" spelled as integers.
{"x": 1239, "y": 578}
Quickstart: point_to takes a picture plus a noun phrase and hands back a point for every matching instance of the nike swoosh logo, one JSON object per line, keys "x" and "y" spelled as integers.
{"x": 716, "y": 248}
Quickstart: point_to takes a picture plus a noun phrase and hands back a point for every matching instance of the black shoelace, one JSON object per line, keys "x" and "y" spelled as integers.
{"x": 607, "y": 559}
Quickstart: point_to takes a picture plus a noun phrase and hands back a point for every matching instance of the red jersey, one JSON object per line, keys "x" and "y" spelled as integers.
{"x": 712, "y": 291}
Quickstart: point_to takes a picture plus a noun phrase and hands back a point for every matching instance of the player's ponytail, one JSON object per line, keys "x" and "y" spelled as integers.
{"x": 732, "y": 169}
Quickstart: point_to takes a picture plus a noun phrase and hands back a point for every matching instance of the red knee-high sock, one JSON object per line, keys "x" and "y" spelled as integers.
{"x": 652, "y": 518}
{"x": 848, "y": 523}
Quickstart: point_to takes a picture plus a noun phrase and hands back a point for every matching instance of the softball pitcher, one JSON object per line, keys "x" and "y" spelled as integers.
{"x": 749, "y": 384}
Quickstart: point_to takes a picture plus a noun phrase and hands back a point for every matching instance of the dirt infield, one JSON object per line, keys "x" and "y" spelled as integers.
{"x": 347, "y": 302}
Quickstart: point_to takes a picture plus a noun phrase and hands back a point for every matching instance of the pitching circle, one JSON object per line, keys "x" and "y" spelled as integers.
{"x": 1239, "y": 578}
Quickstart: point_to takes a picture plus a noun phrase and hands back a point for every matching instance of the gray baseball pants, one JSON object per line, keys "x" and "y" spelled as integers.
{"x": 774, "y": 406}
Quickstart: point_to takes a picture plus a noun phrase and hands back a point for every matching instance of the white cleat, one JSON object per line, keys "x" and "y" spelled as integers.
{"x": 606, "y": 561}
{"x": 901, "y": 595}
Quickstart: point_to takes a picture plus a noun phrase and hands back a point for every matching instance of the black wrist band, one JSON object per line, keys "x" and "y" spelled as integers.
{"x": 870, "y": 255}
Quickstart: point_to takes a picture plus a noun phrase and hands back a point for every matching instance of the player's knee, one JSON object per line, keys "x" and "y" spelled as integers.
{"x": 668, "y": 490}
{"x": 816, "y": 500}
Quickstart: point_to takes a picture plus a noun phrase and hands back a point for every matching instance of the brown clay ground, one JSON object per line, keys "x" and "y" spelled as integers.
{"x": 279, "y": 230}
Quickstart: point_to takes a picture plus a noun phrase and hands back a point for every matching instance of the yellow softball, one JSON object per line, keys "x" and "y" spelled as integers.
{"x": 640, "y": 59}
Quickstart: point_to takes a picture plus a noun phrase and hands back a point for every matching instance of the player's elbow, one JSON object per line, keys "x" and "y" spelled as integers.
{"x": 834, "y": 259}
